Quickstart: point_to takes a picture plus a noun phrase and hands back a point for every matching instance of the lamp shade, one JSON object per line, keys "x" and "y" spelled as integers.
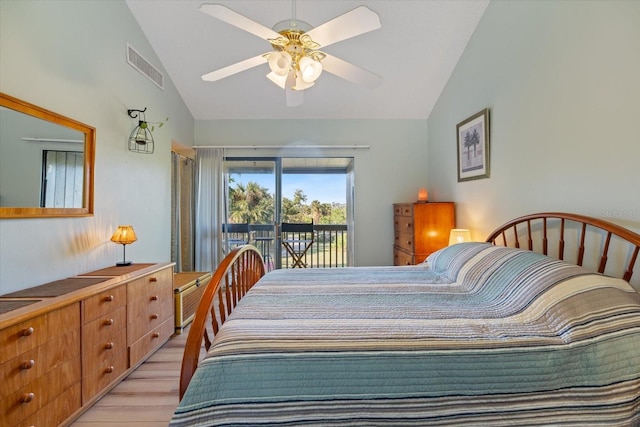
{"x": 459, "y": 235}
{"x": 124, "y": 235}
{"x": 310, "y": 69}
{"x": 301, "y": 83}
{"x": 280, "y": 62}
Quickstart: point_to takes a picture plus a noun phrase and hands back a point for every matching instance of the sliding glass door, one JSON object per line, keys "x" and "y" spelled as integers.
{"x": 264, "y": 192}
{"x": 251, "y": 199}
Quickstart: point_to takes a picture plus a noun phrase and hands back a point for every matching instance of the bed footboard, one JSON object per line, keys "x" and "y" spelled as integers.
{"x": 233, "y": 278}
{"x": 578, "y": 237}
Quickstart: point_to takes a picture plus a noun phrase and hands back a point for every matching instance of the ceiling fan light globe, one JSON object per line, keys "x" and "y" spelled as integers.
{"x": 310, "y": 69}
{"x": 280, "y": 62}
{"x": 301, "y": 83}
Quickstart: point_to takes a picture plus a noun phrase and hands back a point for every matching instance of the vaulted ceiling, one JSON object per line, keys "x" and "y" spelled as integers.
{"x": 415, "y": 52}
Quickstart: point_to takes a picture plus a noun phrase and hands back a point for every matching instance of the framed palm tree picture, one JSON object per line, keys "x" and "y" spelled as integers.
{"x": 473, "y": 147}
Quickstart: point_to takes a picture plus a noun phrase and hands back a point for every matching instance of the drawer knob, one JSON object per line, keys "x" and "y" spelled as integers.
{"x": 154, "y": 298}
{"x": 27, "y": 397}
{"x": 154, "y": 316}
{"x": 109, "y": 298}
{"x": 155, "y": 335}
{"x": 28, "y": 364}
{"x": 108, "y": 346}
{"x": 108, "y": 322}
{"x": 27, "y": 332}
{"x": 153, "y": 279}
{"x": 109, "y": 370}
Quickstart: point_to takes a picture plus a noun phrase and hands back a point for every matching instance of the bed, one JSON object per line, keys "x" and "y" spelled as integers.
{"x": 499, "y": 333}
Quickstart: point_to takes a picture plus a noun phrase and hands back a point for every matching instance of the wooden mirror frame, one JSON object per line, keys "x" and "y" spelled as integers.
{"x": 89, "y": 159}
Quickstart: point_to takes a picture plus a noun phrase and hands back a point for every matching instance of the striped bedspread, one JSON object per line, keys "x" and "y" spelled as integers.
{"x": 479, "y": 335}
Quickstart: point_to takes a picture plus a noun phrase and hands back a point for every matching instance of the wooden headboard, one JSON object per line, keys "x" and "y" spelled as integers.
{"x": 580, "y": 239}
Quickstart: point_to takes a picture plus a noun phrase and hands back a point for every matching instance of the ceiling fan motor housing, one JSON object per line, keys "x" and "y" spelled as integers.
{"x": 295, "y": 51}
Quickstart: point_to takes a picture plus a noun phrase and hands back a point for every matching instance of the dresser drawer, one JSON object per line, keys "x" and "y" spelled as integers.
{"x": 403, "y": 209}
{"x": 103, "y": 303}
{"x": 57, "y": 411}
{"x": 403, "y": 241}
{"x": 29, "y": 399}
{"x": 101, "y": 340}
{"x": 150, "y": 341}
{"x": 32, "y": 333}
{"x": 403, "y": 224}
{"x": 149, "y": 317}
{"x": 151, "y": 286}
{"x": 401, "y": 257}
{"x": 152, "y": 301}
{"x": 102, "y": 373}
{"x": 104, "y": 328}
{"x": 29, "y": 366}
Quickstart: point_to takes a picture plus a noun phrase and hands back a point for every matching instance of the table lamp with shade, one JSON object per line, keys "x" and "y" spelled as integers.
{"x": 459, "y": 235}
{"x": 125, "y": 236}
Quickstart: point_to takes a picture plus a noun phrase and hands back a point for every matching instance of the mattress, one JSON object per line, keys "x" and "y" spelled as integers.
{"x": 477, "y": 335}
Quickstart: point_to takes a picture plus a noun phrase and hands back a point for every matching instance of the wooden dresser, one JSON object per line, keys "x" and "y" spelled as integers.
{"x": 420, "y": 229}
{"x": 65, "y": 344}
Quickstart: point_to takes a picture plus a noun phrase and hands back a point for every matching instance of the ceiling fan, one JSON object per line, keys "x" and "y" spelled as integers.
{"x": 296, "y": 61}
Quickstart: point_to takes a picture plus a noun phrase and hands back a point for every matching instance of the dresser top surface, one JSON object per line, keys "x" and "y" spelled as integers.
{"x": 56, "y": 288}
{"x": 28, "y": 303}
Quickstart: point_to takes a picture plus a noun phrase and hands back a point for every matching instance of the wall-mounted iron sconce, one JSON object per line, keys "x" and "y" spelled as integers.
{"x": 141, "y": 140}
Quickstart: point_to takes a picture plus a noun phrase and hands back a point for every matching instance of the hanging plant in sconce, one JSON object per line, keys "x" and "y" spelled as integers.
{"x": 141, "y": 139}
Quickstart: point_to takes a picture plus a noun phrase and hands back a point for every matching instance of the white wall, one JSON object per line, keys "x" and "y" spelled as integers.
{"x": 392, "y": 170}
{"x": 561, "y": 81}
{"x": 70, "y": 57}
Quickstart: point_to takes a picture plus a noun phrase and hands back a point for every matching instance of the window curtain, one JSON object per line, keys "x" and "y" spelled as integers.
{"x": 209, "y": 207}
{"x": 351, "y": 232}
{"x": 182, "y": 212}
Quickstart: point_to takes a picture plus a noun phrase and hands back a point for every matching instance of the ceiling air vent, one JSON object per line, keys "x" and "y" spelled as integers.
{"x": 139, "y": 63}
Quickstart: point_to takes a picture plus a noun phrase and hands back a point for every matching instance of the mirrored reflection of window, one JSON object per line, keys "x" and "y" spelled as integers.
{"x": 62, "y": 179}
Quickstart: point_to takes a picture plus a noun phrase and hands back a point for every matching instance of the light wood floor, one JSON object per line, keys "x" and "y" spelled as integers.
{"x": 147, "y": 397}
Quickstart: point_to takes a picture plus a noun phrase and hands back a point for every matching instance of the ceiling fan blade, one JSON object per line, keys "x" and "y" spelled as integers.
{"x": 234, "y": 68}
{"x": 350, "y": 72}
{"x": 231, "y": 17}
{"x": 294, "y": 97}
{"x": 358, "y": 21}
{"x": 278, "y": 80}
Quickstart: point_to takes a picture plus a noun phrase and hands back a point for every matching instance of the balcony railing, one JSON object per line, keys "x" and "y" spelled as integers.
{"x": 329, "y": 248}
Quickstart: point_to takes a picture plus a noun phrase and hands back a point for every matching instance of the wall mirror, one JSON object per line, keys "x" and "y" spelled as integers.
{"x": 46, "y": 162}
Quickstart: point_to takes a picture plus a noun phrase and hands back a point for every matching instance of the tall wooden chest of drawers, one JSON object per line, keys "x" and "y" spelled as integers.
{"x": 420, "y": 229}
